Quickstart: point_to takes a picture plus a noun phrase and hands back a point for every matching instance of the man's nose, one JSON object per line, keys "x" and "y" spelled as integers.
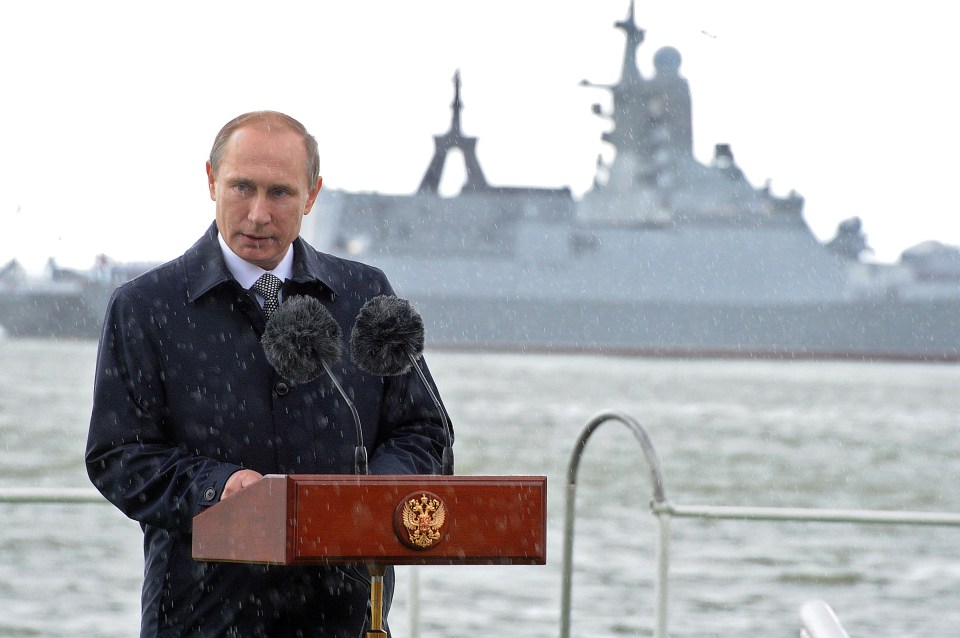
{"x": 259, "y": 210}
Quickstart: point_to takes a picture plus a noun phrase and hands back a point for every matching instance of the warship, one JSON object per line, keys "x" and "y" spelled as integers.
{"x": 63, "y": 302}
{"x": 662, "y": 256}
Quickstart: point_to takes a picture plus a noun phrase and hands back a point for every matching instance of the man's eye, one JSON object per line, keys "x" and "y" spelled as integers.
{"x": 280, "y": 192}
{"x": 242, "y": 188}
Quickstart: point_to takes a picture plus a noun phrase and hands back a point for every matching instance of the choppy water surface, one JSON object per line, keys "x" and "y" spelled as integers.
{"x": 805, "y": 434}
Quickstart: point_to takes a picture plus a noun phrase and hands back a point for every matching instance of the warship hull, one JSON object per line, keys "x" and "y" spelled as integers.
{"x": 729, "y": 289}
{"x": 890, "y": 330}
{"x": 866, "y": 330}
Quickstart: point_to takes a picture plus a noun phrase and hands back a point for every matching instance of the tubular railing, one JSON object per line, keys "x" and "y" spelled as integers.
{"x": 656, "y": 477}
{"x": 664, "y": 510}
{"x": 51, "y": 495}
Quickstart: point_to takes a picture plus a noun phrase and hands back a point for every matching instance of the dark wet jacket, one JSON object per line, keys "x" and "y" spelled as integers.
{"x": 184, "y": 398}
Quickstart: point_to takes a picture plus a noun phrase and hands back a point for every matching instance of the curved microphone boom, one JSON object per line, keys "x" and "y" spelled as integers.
{"x": 301, "y": 341}
{"x": 387, "y": 340}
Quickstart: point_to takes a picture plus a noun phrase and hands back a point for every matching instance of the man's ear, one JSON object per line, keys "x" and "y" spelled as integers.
{"x": 312, "y": 196}
{"x": 212, "y": 182}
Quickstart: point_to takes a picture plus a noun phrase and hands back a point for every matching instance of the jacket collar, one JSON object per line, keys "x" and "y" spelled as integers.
{"x": 205, "y": 268}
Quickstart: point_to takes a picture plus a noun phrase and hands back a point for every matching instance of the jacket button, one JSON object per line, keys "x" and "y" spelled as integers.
{"x": 282, "y": 388}
{"x": 209, "y": 493}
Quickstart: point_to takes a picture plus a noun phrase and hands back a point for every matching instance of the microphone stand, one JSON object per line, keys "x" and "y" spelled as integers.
{"x": 360, "y": 453}
{"x": 447, "y": 458}
{"x": 376, "y": 601}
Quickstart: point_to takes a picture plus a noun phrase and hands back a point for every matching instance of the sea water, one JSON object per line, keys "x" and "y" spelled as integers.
{"x": 764, "y": 433}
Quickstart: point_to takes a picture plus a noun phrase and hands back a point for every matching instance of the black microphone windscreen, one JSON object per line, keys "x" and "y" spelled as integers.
{"x": 300, "y": 336}
{"x": 388, "y": 331}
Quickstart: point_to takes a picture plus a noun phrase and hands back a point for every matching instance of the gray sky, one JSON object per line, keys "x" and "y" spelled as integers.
{"x": 110, "y": 107}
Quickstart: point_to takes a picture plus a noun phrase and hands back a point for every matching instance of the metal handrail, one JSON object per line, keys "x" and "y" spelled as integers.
{"x": 656, "y": 476}
{"x": 51, "y": 495}
{"x": 664, "y": 510}
{"x": 807, "y": 515}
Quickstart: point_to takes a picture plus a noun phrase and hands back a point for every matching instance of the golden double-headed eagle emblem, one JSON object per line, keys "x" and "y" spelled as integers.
{"x": 423, "y": 517}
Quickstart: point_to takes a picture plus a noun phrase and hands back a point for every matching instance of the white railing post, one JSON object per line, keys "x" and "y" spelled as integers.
{"x": 662, "y": 591}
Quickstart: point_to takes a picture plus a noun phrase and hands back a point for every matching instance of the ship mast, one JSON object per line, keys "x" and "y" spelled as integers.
{"x": 631, "y": 72}
{"x": 454, "y": 138}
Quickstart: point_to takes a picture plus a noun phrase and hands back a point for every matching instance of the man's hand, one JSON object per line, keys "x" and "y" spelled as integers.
{"x": 239, "y": 480}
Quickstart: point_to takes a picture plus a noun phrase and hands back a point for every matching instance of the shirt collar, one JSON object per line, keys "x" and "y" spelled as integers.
{"x": 205, "y": 266}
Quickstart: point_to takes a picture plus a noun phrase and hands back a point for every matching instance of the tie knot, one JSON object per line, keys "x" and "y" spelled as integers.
{"x": 269, "y": 288}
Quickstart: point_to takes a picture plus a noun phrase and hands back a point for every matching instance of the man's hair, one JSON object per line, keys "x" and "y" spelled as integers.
{"x": 265, "y": 119}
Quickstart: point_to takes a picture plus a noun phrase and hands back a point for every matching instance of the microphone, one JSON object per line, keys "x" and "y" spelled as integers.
{"x": 301, "y": 341}
{"x": 387, "y": 340}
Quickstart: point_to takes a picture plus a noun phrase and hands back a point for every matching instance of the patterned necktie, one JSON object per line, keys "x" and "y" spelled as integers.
{"x": 269, "y": 288}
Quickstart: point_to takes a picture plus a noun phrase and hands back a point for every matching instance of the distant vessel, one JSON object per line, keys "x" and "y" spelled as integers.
{"x": 63, "y": 303}
{"x": 662, "y": 256}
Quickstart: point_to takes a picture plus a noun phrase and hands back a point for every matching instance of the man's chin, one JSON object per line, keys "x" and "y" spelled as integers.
{"x": 266, "y": 259}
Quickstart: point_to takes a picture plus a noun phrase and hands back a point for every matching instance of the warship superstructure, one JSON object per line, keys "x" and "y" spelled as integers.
{"x": 663, "y": 255}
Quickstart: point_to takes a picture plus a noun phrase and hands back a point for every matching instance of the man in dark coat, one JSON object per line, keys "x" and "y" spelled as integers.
{"x": 187, "y": 411}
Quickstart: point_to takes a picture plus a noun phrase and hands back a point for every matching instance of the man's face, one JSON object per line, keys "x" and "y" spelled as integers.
{"x": 262, "y": 192}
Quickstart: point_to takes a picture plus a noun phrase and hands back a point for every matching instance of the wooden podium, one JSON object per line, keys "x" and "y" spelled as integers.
{"x": 319, "y": 519}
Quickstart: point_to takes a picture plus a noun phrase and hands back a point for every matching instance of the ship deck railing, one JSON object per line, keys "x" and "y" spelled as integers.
{"x": 817, "y": 618}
